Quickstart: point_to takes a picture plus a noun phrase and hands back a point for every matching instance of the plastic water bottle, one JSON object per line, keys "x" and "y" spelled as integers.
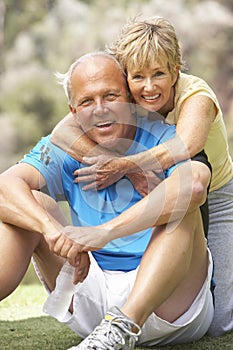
{"x": 58, "y": 302}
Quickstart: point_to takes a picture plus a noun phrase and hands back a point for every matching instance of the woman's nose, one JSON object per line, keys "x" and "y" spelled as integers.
{"x": 149, "y": 85}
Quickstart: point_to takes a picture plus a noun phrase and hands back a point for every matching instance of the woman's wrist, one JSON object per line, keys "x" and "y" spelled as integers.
{"x": 129, "y": 164}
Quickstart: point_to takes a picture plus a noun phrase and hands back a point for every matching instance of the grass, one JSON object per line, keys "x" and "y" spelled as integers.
{"x": 23, "y": 326}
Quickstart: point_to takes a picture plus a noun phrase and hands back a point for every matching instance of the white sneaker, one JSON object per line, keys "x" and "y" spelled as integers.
{"x": 113, "y": 333}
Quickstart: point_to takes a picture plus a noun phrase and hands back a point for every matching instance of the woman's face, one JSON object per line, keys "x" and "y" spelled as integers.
{"x": 152, "y": 87}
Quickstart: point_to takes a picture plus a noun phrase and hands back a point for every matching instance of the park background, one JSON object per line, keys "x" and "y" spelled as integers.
{"x": 39, "y": 38}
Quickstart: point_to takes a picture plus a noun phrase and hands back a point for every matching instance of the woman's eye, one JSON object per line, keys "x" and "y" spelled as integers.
{"x": 137, "y": 77}
{"x": 111, "y": 96}
{"x": 159, "y": 74}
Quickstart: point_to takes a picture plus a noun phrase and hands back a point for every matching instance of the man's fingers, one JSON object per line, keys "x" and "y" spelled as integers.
{"x": 59, "y": 245}
{"x": 81, "y": 271}
{"x": 74, "y": 256}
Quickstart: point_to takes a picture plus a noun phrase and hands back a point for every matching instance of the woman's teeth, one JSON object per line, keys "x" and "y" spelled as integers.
{"x": 150, "y": 98}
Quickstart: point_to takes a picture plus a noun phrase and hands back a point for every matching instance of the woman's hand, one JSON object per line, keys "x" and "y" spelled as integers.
{"x": 103, "y": 171}
{"x": 144, "y": 181}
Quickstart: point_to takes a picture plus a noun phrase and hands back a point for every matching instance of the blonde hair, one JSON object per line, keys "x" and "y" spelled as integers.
{"x": 142, "y": 42}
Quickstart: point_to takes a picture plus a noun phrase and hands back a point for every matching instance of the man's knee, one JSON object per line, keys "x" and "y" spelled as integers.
{"x": 44, "y": 200}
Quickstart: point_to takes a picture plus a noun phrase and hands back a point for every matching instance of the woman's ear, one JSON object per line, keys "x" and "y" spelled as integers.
{"x": 175, "y": 75}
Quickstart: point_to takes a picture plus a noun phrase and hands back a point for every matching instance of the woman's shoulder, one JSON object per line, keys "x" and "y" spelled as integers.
{"x": 191, "y": 81}
{"x": 188, "y": 85}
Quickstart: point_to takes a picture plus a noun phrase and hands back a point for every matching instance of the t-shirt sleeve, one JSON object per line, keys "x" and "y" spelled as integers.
{"x": 202, "y": 157}
{"x": 48, "y": 160}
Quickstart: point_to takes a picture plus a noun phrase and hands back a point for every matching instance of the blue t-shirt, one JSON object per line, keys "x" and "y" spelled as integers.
{"x": 90, "y": 208}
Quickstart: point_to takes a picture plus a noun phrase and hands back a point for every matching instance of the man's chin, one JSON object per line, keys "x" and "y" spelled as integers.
{"x": 109, "y": 144}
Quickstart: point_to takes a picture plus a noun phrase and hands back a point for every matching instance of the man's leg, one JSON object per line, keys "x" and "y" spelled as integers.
{"x": 171, "y": 273}
{"x": 18, "y": 246}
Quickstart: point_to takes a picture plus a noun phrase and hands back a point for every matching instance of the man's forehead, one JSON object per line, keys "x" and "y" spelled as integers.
{"x": 96, "y": 70}
{"x": 95, "y": 64}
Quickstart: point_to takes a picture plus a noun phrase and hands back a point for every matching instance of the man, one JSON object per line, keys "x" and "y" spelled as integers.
{"x": 151, "y": 286}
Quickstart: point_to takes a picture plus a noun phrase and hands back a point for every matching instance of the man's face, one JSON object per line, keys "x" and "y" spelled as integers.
{"x": 102, "y": 102}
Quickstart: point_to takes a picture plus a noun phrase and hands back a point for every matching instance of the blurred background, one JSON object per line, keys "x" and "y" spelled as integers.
{"x": 39, "y": 38}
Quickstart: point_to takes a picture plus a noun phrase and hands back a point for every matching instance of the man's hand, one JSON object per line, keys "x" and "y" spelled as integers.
{"x": 72, "y": 241}
{"x": 81, "y": 271}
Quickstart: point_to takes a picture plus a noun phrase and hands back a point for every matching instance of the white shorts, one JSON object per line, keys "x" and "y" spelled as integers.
{"x": 103, "y": 289}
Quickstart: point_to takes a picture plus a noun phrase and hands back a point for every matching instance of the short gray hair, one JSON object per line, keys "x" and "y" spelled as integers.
{"x": 64, "y": 79}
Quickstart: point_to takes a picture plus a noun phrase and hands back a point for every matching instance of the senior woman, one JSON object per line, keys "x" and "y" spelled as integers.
{"x": 149, "y": 54}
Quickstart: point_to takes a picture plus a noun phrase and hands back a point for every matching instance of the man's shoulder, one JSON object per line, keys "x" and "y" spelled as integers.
{"x": 44, "y": 152}
{"x": 155, "y": 127}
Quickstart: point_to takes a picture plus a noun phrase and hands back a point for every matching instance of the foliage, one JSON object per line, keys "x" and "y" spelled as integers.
{"x": 38, "y": 38}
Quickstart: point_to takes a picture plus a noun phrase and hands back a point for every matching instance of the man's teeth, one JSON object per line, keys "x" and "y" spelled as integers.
{"x": 104, "y": 124}
{"x": 151, "y": 97}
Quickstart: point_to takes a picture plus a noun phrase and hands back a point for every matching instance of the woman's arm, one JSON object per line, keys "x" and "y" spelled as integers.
{"x": 193, "y": 126}
{"x": 69, "y": 136}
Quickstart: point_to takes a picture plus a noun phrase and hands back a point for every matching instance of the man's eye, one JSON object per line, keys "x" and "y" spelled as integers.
{"x": 84, "y": 103}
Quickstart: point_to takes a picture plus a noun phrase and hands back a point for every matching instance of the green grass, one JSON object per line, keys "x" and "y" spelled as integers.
{"x": 23, "y": 326}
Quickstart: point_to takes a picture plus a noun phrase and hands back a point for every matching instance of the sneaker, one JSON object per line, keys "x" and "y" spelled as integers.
{"x": 113, "y": 333}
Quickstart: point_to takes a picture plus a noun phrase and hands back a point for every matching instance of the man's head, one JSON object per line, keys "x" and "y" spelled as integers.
{"x": 98, "y": 96}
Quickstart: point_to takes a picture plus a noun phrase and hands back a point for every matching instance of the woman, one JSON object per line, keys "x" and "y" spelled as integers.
{"x": 148, "y": 52}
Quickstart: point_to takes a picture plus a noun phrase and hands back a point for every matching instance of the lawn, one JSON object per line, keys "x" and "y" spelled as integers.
{"x": 23, "y": 326}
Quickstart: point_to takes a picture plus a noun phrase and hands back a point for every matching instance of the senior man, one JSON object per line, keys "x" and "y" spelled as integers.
{"x": 150, "y": 273}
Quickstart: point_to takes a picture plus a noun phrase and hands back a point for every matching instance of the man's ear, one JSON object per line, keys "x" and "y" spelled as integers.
{"x": 72, "y": 109}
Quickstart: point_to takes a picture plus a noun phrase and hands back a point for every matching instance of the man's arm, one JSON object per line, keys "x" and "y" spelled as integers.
{"x": 184, "y": 191}
{"x": 18, "y": 206}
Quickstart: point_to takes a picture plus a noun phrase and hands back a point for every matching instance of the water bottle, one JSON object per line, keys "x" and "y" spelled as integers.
{"x": 58, "y": 302}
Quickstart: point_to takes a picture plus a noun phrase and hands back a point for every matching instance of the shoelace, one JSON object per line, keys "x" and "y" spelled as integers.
{"x": 108, "y": 334}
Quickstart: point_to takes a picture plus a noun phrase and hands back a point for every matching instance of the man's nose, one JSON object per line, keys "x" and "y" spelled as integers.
{"x": 100, "y": 109}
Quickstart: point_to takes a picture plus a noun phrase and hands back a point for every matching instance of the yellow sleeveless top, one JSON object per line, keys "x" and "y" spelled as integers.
{"x": 216, "y": 146}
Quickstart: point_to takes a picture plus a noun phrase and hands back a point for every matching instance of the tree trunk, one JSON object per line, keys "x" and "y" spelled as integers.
{"x": 2, "y": 16}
